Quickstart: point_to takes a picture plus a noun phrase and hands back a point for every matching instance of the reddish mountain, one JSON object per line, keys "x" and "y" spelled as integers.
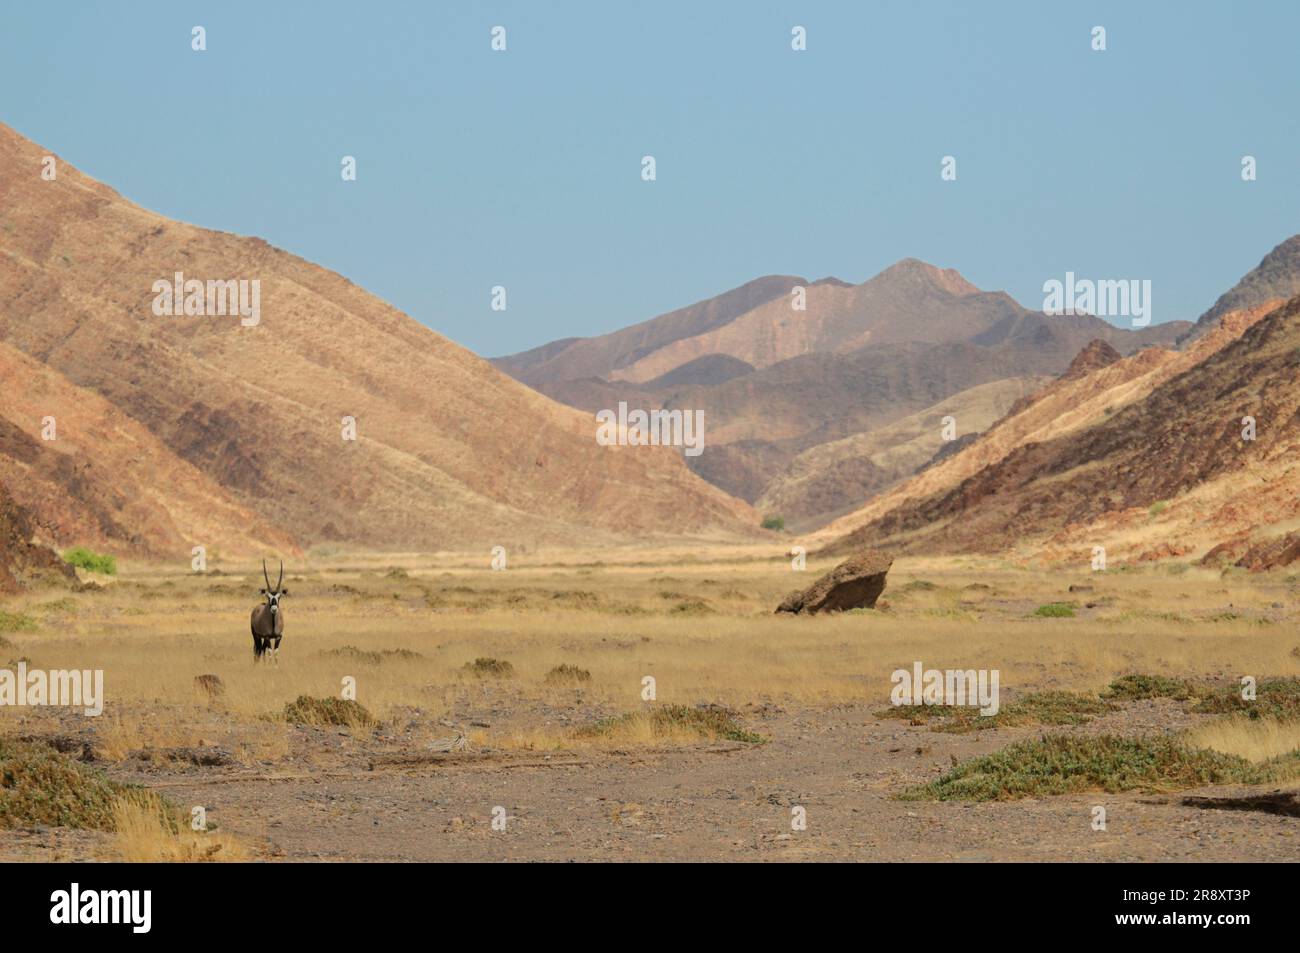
{"x": 1169, "y": 472}
{"x": 448, "y": 451}
{"x": 23, "y": 561}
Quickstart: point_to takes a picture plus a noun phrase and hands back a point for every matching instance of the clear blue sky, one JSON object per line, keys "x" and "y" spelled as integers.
{"x": 522, "y": 168}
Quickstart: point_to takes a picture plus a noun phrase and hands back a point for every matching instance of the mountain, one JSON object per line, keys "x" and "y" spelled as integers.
{"x": 104, "y": 480}
{"x": 23, "y": 561}
{"x": 908, "y": 302}
{"x": 775, "y": 383}
{"x": 816, "y": 484}
{"x": 199, "y": 415}
{"x": 575, "y": 358}
{"x": 1144, "y": 456}
{"x": 1276, "y": 276}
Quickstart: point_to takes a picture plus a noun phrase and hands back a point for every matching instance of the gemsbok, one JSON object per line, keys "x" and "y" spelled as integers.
{"x": 268, "y": 620}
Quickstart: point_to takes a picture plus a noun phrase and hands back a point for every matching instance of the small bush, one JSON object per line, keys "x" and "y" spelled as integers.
{"x": 16, "y": 622}
{"x": 776, "y": 523}
{"x": 1157, "y": 508}
{"x": 1055, "y": 610}
{"x": 1150, "y": 686}
{"x": 39, "y": 786}
{"x": 567, "y": 675}
{"x": 490, "y": 668}
{"x": 307, "y": 710}
{"x": 83, "y": 558}
{"x": 708, "y": 722}
{"x": 1277, "y": 698}
{"x": 692, "y": 607}
{"x": 1042, "y": 708}
{"x": 371, "y": 657}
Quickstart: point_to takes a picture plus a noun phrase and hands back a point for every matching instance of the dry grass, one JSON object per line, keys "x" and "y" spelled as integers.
{"x": 146, "y": 830}
{"x": 127, "y": 729}
{"x": 1254, "y": 739}
{"x": 406, "y": 638}
{"x": 657, "y": 726}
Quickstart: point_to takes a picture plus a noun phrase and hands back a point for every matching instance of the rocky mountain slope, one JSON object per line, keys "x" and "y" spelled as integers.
{"x": 1276, "y": 276}
{"x": 23, "y": 561}
{"x": 1145, "y": 456}
{"x": 448, "y": 452}
{"x": 815, "y": 485}
{"x": 98, "y": 477}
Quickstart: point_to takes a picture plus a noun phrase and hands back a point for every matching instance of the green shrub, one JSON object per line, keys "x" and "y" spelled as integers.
{"x": 1068, "y": 764}
{"x": 16, "y": 622}
{"x": 1151, "y": 686}
{"x": 40, "y": 786}
{"x": 1055, "y": 610}
{"x": 83, "y": 558}
{"x": 774, "y": 522}
{"x": 1042, "y": 708}
{"x": 1277, "y": 698}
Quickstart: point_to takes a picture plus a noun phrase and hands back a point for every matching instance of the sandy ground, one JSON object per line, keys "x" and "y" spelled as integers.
{"x": 380, "y": 801}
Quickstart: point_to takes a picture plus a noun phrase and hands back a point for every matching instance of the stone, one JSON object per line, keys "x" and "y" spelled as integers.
{"x": 855, "y": 583}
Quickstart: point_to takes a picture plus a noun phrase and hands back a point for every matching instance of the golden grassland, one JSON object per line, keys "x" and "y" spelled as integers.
{"x": 700, "y": 622}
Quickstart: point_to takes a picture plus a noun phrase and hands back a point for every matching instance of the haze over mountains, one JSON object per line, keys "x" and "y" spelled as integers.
{"x": 196, "y": 430}
{"x": 775, "y": 381}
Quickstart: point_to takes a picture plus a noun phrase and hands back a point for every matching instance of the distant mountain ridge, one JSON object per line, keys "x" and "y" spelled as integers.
{"x": 775, "y": 381}
{"x": 1276, "y": 276}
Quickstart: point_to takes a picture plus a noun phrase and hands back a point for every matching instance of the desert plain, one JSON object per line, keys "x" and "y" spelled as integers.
{"x": 427, "y": 707}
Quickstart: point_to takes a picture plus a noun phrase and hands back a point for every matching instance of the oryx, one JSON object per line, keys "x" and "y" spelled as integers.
{"x": 267, "y": 621}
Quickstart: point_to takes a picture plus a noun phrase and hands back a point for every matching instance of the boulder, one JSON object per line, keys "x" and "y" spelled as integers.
{"x": 1275, "y": 553}
{"x": 855, "y": 583}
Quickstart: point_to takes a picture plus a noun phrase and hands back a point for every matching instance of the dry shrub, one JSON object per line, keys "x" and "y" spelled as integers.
{"x": 146, "y": 829}
{"x": 343, "y": 712}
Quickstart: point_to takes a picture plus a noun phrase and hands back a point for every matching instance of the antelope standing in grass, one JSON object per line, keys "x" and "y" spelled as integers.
{"x": 268, "y": 621}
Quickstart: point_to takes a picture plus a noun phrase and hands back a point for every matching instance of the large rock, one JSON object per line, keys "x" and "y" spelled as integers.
{"x": 855, "y": 583}
{"x": 1258, "y": 556}
{"x": 1275, "y": 553}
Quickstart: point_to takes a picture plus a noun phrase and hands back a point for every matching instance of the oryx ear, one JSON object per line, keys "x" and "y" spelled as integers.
{"x": 284, "y": 592}
{"x": 262, "y": 591}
